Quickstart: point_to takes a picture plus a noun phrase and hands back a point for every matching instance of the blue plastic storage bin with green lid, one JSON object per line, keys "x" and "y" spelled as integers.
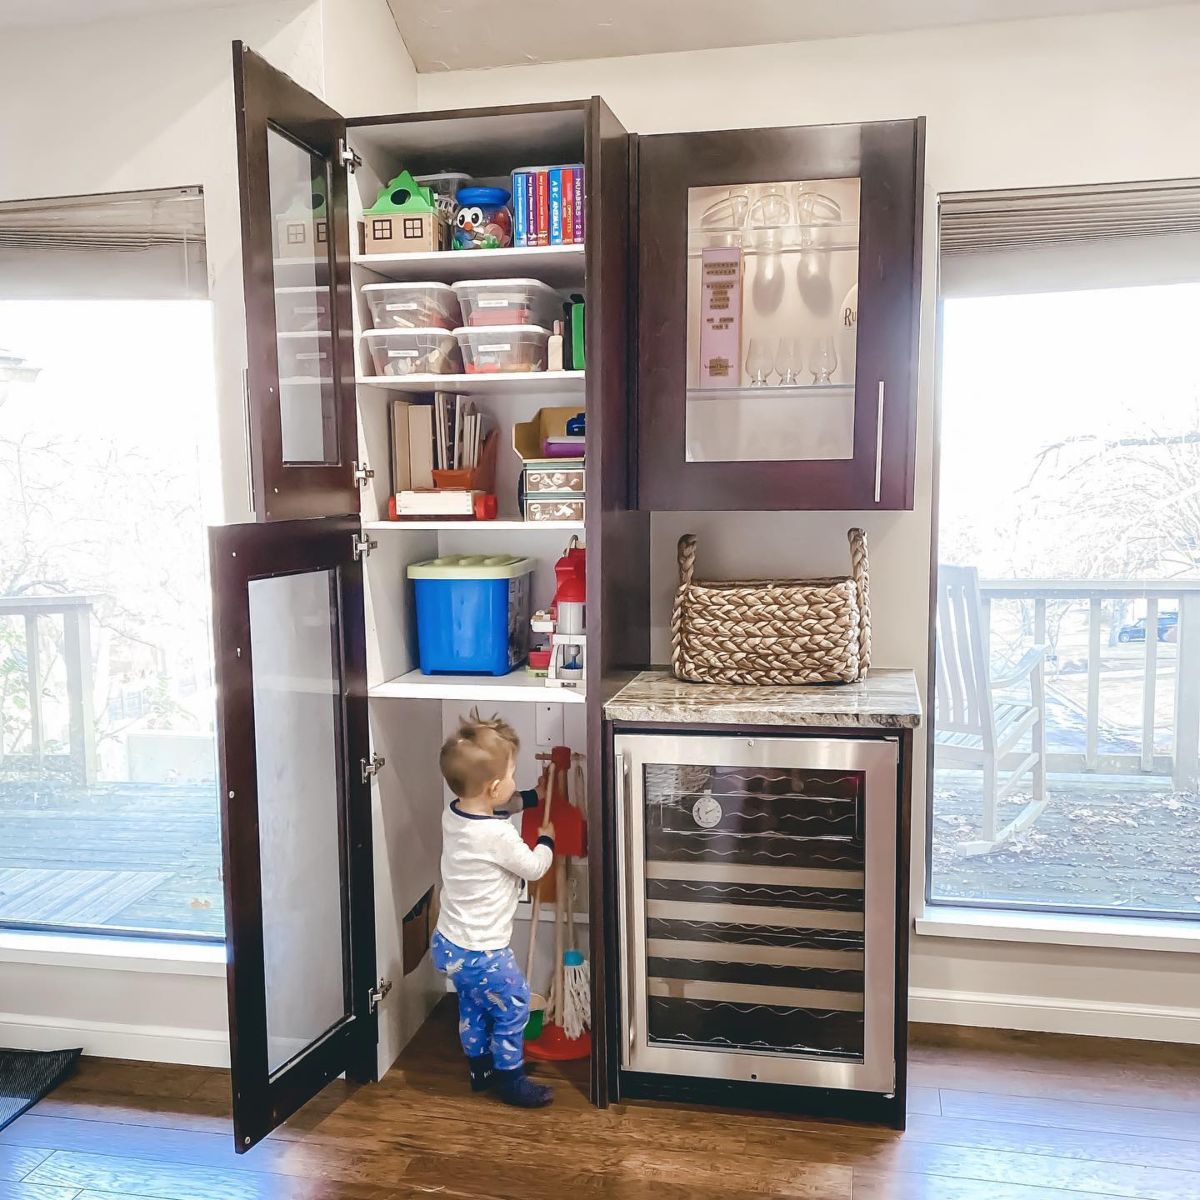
{"x": 472, "y": 613}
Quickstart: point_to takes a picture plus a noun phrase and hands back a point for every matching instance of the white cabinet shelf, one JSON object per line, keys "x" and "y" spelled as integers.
{"x": 518, "y": 686}
{"x": 559, "y": 266}
{"x": 512, "y": 525}
{"x": 500, "y": 383}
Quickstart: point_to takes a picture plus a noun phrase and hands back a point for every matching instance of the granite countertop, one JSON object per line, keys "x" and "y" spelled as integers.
{"x": 884, "y": 700}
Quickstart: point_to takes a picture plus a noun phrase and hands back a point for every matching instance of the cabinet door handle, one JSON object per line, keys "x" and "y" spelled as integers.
{"x": 879, "y": 444}
{"x": 624, "y": 863}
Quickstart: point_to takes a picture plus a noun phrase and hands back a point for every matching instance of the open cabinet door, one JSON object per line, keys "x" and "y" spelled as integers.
{"x": 292, "y": 161}
{"x": 295, "y": 813}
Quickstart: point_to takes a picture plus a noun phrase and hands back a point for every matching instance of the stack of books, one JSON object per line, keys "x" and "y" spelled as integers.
{"x": 549, "y": 206}
{"x": 442, "y": 460}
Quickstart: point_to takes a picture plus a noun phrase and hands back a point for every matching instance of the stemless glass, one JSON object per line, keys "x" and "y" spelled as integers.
{"x": 788, "y": 361}
{"x": 823, "y": 360}
{"x": 759, "y": 359}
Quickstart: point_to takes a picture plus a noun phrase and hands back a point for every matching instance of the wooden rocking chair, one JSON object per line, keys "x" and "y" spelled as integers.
{"x": 974, "y": 726}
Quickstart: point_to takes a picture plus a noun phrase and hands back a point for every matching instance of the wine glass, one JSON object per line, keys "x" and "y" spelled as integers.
{"x": 823, "y": 360}
{"x": 788, "y": 361}
{"x": 759, "y": 360}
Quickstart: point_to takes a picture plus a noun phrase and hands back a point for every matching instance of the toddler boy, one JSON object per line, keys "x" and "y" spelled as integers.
{"x": 483, "y": 861}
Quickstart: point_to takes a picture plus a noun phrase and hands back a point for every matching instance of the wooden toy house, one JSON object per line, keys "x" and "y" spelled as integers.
{"x": 405, "y": 218}
{"x": 303, "y": 230}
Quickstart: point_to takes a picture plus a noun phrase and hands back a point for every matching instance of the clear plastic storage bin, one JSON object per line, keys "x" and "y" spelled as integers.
{"x": 508, "y": 302}
{"x": 303, "y": 309}
{"x": 490, "y": 348}
{"x": 305, "y": 355}
{"x": 414, "y": 352}
{"x": 412, "y": 305}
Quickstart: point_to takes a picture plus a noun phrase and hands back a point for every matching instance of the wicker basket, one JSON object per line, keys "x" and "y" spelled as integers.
{"x": 772, "y": 631}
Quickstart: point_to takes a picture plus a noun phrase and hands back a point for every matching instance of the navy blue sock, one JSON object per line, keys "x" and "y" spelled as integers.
{"x": 482, "y": 1073}
{"x": 514, "y": 1087}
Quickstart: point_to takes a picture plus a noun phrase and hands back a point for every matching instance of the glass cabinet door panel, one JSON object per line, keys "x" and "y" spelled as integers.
{"x": 299, "y": 188}
{"x": 772, "y": 295}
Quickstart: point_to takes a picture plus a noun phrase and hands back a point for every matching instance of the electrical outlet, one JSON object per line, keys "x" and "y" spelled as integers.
{"x": 548, "y": 724}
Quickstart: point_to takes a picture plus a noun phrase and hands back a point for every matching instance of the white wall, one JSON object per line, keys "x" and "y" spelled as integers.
{"x": 1063, "y": 101}
{"x": 147, "y": 103}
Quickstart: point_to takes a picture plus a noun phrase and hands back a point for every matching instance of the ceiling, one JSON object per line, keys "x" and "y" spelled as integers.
{"x": 449, "y": 35}
{"x": 17, "y": 13}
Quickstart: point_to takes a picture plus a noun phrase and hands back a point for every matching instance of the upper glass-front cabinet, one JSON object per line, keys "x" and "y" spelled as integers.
{"x": 777, "y": 317}
{"x": 296, "y": 263}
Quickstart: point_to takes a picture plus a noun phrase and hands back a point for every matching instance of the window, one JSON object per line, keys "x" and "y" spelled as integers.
{"x": 108, "y": 796}
{"x": 1067, "y": 680}
{"x": 381, "y": 228}
{"x": 414, "y": 227}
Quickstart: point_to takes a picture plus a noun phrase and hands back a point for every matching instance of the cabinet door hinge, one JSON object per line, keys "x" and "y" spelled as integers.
{"x": 371, "y": 766}
{"x": 363, "y": 546}
{"x": 363, "y": 472}
{"x": 377, "y": 993}
{"x": 347, "y": 157}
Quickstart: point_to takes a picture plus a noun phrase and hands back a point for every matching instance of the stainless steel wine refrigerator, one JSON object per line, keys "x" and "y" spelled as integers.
{"x": 757, "y": 908}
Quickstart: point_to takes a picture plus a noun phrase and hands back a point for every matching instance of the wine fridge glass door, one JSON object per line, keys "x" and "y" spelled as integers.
{"x": 758, "y": 908}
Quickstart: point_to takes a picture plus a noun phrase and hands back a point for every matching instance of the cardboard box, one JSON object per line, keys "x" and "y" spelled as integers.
{"x": 529, "y": 436}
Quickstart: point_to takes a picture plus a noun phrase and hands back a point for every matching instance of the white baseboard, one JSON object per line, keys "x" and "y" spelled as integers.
{"x": 1052, "y": 1014}
{"x": 147, "y": 1043}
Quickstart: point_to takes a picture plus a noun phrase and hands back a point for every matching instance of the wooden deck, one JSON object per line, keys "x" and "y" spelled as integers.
{"x": 126, "y": 856}
{"x": 994, "y": 1116}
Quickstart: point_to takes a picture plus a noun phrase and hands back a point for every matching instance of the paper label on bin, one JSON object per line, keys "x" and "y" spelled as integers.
{"x": 403, "y": 306}
{"x": 308, "y": 310}
{"x": 494, "y": 347}
{"x": 403, "y": 353}
{"x": 494, "y": 302}
{"x": 316, "y": 356}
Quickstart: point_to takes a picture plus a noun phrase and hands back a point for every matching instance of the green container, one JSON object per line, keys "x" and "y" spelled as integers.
{"x": 537, "y": 1014}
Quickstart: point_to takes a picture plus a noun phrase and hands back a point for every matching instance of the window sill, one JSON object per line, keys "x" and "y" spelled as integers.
{"x": 1059, "y": 929}
{"x": 112, "y": 953}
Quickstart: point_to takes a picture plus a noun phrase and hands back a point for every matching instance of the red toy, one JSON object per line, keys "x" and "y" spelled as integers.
{"x": 570, "y": 829}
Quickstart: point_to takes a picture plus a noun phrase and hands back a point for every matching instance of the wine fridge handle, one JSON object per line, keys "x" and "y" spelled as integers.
{"x": 624, "y": 861}
{"x": 879, "y": 443}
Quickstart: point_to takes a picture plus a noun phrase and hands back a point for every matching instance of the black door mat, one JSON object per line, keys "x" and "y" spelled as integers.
{"x": 28, "y": 1075}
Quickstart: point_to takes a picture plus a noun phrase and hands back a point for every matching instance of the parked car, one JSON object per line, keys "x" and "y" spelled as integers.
{"x": 1168, "y": 629}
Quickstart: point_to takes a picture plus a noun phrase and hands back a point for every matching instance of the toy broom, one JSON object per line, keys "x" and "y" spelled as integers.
{"x": 568, "y": 1009}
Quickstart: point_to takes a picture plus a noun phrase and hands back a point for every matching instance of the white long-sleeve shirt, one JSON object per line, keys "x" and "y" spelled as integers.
{"x": 483, "y": 861}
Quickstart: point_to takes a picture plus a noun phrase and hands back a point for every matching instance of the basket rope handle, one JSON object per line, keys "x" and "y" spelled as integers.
{"x": 860, "y": 569}
{"x": 687, "y": 559}
{"x": 687, "y": 570}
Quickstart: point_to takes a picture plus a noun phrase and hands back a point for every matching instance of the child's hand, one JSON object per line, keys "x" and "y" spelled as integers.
{"x": 547, "y": 829}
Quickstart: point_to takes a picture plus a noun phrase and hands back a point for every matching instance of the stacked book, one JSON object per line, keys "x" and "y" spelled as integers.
{"x": 548, "y": 205}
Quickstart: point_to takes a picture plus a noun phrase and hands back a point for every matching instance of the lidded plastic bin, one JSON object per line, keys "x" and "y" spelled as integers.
{"x": 472, "y": 613}
{"x": 305, "y": 355}
{"x": 412, "y": 305}
{"x": 303, "y": 309}
{"x": 508, "y": 302}
{"x": 413, "y": 351}
{"x": 490, "y": 348}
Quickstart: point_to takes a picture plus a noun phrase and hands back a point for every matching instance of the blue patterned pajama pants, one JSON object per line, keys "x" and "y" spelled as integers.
{"x": 493, "y": 1000}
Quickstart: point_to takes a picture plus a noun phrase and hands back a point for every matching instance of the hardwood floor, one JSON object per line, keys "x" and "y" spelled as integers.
{"x": 993, "y": 1116}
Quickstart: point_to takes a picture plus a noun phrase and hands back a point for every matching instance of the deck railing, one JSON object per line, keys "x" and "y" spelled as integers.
{"x": 1182, "y": 762}
{"x": 76, "y": 611}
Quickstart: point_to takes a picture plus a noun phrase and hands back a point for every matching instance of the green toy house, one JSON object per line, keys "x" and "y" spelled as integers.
{"x": 303, "y": 230}
{"x": 404, "y": 218}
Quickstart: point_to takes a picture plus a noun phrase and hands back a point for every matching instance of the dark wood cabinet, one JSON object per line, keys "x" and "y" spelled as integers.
{"x": 777, "y": 312}
{"x": 329, "y": 729}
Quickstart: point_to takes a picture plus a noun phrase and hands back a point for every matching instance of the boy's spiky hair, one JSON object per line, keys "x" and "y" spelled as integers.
{"x": 478, "y": 752}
